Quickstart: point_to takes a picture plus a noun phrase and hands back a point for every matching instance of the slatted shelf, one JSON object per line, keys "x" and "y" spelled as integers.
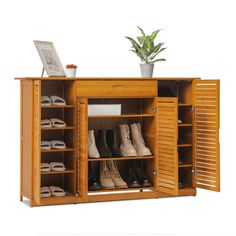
{"x": 119, "y": 158}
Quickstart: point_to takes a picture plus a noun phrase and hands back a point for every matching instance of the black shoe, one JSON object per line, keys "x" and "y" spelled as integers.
{"x": 142, "y": 178}
{"x": 112, "y": 141}
{"x": 102, "y": 144}
{"x": 93, "y": 184}
{"x": 132, "y": 179}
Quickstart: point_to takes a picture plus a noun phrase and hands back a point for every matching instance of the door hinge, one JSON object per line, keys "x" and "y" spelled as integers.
{"x": 155, "y": 172}
{"x": 192, "y": 108}
{"x": 193, "y": 169}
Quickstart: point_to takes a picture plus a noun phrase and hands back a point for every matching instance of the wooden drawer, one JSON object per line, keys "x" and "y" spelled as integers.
{"x": 116, "y": 88}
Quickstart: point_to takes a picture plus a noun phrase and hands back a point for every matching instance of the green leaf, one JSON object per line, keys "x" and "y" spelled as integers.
{"x": 154, "y": 34}
{"x": 141, "y": 40}
{"x": 162, "y": 59}
{"x": 141, "y": 31}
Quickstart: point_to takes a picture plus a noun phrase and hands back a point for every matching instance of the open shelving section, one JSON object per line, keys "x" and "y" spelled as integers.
{"x": 133, "y": 110}
{"x": 64, "y": 179}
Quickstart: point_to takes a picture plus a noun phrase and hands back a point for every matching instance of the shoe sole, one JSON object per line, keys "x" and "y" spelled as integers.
{"x": 129, "y": 154}
{"x": 108, "y": 188}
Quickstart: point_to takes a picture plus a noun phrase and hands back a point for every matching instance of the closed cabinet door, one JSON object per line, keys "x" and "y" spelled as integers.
{"x": 206, "y": 134}
{"x": 167, "y": 153}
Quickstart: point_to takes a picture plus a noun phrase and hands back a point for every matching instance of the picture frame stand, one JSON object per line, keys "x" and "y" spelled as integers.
{"x": 43, "y": 70}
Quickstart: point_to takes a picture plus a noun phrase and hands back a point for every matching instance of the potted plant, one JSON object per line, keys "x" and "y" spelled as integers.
{"x": 147, "y": 51}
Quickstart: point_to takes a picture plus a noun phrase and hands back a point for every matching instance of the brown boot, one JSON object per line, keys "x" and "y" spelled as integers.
{"x": 105, "y": 176}
{"x": 115, "y": 175}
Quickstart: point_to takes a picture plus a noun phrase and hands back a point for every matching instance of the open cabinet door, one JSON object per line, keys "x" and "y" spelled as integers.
{"x": 82, "y": 154}
{"x": 167, "y": 136}
{"x": 37, "y": 141}
{"x": 206, "y": 134}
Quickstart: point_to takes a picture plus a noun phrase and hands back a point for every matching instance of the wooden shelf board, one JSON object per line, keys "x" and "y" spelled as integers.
{"x": 122, "y": 116}
{"x": 185, "y": 165}
{"x": 59, "y": 150}
{"x": 64, "y": 128}
{"x": 185, "y": 104}
{"x": 57, "y": 172}
{"x": 185, "y": 125}
{"x": 124, "y": 189}
{"x": 119, "y": 158}
{"x": 53, "y": 106}
{"x": 184, "y": 145}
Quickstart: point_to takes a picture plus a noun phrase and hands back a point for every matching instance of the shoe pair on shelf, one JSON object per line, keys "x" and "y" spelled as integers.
{"x": 53, "y": 144}
{"x": 105, "y": 145}
{"x": 52, "y": 166}
{"x": 108, "y": 144}
{"x": 137, "y": 177}
{"x": 52, "y": 123}
{"x": 110, "y": 177}
{"x": 52, "y": 101}
{"x": 52, "y": 191}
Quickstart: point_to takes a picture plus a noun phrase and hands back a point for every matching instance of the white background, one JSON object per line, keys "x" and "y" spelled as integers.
{"x": 200, "y": 36}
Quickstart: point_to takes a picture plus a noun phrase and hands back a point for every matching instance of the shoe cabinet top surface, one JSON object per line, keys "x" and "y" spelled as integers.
{"x": 108, "y": 78}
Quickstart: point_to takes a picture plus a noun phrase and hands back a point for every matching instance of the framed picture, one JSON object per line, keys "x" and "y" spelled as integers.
{"x": 50, "y": 59}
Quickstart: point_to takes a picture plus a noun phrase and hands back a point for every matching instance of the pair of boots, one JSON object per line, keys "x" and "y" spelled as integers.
{"x": 137, "y": 177}
{"x": 110, "y": 177}
{"x": 105, "y": 145}
{"x": 137, "y": 146}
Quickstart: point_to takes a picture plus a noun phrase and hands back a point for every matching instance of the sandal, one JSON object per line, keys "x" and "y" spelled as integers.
{"x": 57, "y": 123}
{"x": 57, "y": 166}
{"x": 57, "y": 101}
{"x": 45, "y": 101}
{"x": 45, "y": 192}
{"x": 45, "y": 167}
{"x": 46, "y": 123}
{"x": 57, "y": 144}
{"x": 45, "y": 145}
{"x": 57, "y": 191}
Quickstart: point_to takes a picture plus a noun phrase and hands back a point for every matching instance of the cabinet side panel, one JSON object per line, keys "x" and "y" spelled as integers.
{"x": 37, "y": 140}
{"x": 26, "y": 137}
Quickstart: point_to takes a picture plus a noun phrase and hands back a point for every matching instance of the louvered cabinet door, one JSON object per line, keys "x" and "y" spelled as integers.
{"x": 82, "y": 139}
{"x": 167, "y": 135}
{"x": 206, "y": 134}
{"x": 37, "y": 140}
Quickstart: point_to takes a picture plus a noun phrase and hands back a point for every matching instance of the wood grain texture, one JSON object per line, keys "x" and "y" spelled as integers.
{"x": 117, "y": 88}
{"x": 167, "y": 135}
{"x": 82, "y": 143}
{"x": 37, "y": 140}
{"x": 206, "y": 134}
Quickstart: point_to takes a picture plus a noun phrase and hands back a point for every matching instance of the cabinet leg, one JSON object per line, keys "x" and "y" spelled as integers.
{"x": 21, "y": 197}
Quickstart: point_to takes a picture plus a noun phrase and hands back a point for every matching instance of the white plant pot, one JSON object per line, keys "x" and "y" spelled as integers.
{"x": 146, "y": 70}
{"x": 71, "y": 72}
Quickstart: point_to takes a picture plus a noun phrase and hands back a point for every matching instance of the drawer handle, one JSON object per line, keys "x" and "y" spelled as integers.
{"x": 117, "y": 87}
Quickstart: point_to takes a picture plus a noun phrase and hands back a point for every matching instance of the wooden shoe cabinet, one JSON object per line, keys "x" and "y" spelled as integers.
{"x": 180, "y": 125}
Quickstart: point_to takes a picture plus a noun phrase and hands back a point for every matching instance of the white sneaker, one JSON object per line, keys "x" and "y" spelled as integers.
{"x": 138, "y": 140}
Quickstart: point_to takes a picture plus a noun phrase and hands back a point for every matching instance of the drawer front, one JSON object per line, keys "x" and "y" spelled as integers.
{"x": 102, "y": 88}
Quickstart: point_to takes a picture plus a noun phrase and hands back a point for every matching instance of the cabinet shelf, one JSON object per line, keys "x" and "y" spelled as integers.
{"x": 119, "y": 158}
{"x": 124, "y": 189}
{"x": 63, "y": 128}
{"x": 185, "y": 125}
{"x": 185, "y": 145}
{"x": 121, "y": 116}
{"x": 185, "y": 165}
{"x": 185, "y": 104}
{"x": 57, "y": 172}
{"x": 53, "y": 106}
{"x": 59, "y": 150}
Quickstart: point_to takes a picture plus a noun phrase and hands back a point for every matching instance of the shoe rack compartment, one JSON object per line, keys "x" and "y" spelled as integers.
{"x": 64, "y": 179}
